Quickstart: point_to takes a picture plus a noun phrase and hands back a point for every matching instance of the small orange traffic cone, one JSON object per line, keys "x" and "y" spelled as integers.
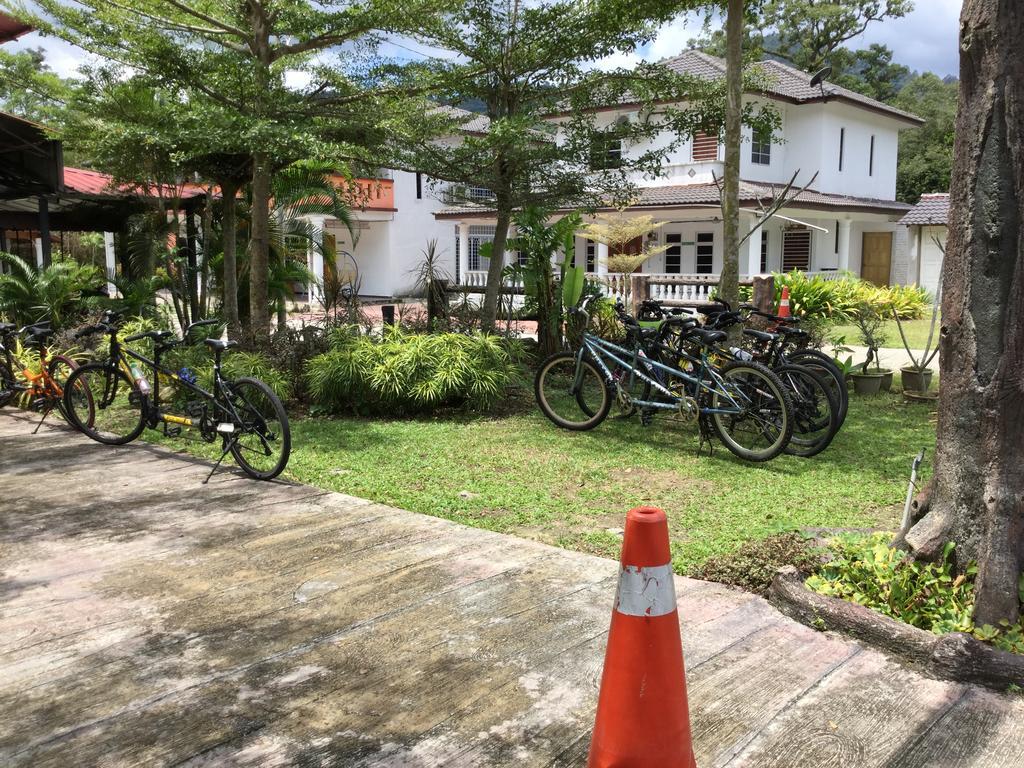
{"x": 643, "y": 720}
{"x": 784, "y": 302}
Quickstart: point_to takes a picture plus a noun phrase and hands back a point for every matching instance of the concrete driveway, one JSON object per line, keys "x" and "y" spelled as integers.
{"x": 147, "y": 619}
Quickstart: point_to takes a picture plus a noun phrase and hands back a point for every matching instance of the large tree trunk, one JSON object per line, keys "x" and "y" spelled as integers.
{"x": 728, "y": 285}
{"x": 978, "y": 495}
{"x": 493, "y": 290}
{"x": 259, "y": 247}
{"x": 229, "y": 238}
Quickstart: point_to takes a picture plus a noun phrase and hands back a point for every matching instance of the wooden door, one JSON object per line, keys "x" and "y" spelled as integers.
{"x": 633, "y": 248}
{"x": 876, "y": 257}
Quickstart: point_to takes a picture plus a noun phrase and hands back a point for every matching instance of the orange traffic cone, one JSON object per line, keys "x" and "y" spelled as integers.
{"x": 784, "y": 302}
{"x": 643, "y": 720}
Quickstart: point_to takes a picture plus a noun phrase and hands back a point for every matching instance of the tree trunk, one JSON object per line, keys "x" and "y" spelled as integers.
{"x": 548, "y": 315}
{"x": 978, "y": 498}
{"x": 204, "y": 274}
{"x": 229, "y": 237}
{"x": 728, "y": 285}
{"x": 192, "y": 272}
{"x": 259, "y": 247}
{"x": 493, "y": 290}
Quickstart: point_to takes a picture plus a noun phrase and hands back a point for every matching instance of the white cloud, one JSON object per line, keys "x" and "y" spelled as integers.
{"x": 926, "y": 39}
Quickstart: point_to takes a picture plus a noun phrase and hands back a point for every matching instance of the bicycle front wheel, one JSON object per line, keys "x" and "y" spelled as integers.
{"x": 59, "y": 370}
{"x": 763, "y": 424}
{"x": 572, "y": 396}
{"x": 105, "y": 404}
{"x": 262, "y": 442}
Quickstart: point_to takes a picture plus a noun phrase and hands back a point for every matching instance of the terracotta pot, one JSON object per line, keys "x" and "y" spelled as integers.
{"x": 867, "y": 383}
{"x": 915, "y": 380}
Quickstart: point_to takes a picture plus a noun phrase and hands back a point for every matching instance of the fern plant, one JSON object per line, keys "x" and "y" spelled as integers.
{"x": 407, "y": 373}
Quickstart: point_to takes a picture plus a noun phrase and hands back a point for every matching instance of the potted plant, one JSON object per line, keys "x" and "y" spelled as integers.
{"x": 869, "y": 321}
{"x": 917, "y": 377}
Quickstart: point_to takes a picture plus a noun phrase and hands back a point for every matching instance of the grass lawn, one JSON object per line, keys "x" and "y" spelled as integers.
{"x": 916, "y": 331}
{"x": 520, "y": 474}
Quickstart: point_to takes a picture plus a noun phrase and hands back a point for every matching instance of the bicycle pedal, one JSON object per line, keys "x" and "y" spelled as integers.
{"x": 171, "y": 431}
{"x": 38, "y": 403}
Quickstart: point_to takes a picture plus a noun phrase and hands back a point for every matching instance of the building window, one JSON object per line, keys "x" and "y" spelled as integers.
{"x": 705, "y": 252}
{"x": 764, "y": 251}
{"x": 871, "y": 157}
{"x": 674, "y": 253}
{"x": 479, "y": 193}
{"x": 419, "y": 186}
{"x": 842, "y": 143}
{"x": 761, "y": 148}
{"x": 704, "y": 147}
{"x": 478, "y": 235}
{"x": 796, "y": 250}
{"x": 521, "y": 258}
{"x": 605, "y": 152}
{"x": 591, "y": 256}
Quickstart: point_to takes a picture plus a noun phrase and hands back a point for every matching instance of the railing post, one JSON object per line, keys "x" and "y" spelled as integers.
{"x": 639, "y": 287}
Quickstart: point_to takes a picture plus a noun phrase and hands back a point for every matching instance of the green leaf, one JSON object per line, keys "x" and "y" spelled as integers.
{"x": 572, "y": 286}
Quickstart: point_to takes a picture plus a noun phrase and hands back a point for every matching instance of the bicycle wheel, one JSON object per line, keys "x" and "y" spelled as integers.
{"x": 104, "y": 403}
{"x": 59, "y": 369}
{"x": 571, "y": 402}
{"x": 824, "y": 366}
{"x": 262, "y": 442}
{"x": 815, "y": 412}
{"x": 764, "y": 426}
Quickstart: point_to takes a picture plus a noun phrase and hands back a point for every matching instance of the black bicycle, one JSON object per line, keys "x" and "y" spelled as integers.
{"x": 244, "y": 413}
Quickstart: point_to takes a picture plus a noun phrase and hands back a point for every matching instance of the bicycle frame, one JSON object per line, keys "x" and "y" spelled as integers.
{"x": 154, "y": 415}
{"x": 600, "y": 350}
{"x": 40, "y": 384}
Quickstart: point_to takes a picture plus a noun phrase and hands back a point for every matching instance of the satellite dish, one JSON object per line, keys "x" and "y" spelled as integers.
{"x": 818, "y": 78}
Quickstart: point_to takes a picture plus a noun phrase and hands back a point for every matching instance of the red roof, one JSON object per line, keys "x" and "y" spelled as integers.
{"x": 11, "y": 28}
{"x": 95, "y": 183}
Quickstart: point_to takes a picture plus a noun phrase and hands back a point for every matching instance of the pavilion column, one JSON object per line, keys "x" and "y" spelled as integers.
{"x": 602, "y": 259}
{"x": 753, "y": 260}
{"x": 44, "y": 255}
{"x": 111, "y": 263}
{"x": 463, "y": 252}
{"x": 37, "y": 245}
{"x": 844, "y": 245}
{"x": 316, "y": 258}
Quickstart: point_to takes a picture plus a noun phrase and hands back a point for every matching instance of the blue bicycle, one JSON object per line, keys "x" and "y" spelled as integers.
{"x": 742, "y": 402}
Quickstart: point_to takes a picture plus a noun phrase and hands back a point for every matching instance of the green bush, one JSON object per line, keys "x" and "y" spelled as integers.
{"x": 837, "y": 300}
{"x": 932, "y": 596}
{"x": 409, "y": 373}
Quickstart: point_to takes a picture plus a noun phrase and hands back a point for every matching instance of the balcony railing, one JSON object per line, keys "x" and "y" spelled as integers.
{"x": 366, "y": 194}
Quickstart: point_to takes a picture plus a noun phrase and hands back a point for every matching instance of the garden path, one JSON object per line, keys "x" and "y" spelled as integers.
{"x": 147, "y": 619}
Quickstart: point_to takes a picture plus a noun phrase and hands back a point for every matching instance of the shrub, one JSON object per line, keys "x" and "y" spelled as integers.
{"x": 403, "y": 372}
{"x": 754, "y": 564}
{"x": 837, "y": 300}
{"x": 867, "y": 571}
{"x": 236, "y": 364}
{"x": 54, "y": 293}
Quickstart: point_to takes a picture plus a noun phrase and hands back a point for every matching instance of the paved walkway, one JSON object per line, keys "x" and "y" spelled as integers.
{"x": 146, "y": 619}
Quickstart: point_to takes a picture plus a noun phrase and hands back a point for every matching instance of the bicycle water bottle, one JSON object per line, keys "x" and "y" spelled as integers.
{"x": 140, "y": 380}
{"x": 741, "y": 354}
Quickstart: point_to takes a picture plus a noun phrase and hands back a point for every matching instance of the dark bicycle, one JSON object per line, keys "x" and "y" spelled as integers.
{"x": 743, "y": 403}
{"x": 244, "y": 413}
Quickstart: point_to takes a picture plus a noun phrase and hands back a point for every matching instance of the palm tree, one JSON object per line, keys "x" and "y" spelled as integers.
{"x": 300, "y": 190}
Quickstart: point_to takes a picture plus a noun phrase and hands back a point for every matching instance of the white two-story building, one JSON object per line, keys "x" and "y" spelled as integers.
{"x": 848, "y": 220}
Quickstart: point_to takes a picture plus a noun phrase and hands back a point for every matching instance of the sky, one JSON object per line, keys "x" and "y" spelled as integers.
{"x": 924, "y": 40}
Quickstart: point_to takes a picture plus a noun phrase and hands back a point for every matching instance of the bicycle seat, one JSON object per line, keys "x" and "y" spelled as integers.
{"x": 37, "y": 333}
{"x": 220, "y": 345}
{"x": 707, "y": 337}
{"x": 790, "y": 331}
{"x": 7, "y": 328}
{"x": 759, "y": 335}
